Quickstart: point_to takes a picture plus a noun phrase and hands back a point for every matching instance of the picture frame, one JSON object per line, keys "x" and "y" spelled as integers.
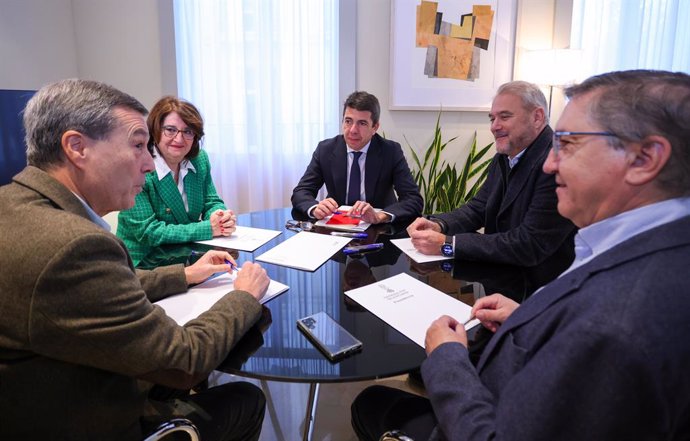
{"x": 492, "y": 65}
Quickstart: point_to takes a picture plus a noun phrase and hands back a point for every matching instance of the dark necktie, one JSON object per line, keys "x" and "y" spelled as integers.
{"x": 355, "y": 180}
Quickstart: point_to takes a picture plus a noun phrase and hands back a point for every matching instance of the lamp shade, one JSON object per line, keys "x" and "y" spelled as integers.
{"x": 551, "y": 67}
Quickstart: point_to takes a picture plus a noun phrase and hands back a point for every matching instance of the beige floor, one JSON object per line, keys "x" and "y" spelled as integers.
{"x": 286, "y": 408}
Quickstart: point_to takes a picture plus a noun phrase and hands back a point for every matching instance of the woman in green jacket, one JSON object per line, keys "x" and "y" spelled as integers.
{"x": 179, "y": 202}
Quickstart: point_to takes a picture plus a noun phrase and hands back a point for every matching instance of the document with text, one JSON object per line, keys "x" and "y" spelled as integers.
{"x": 406, "y": 246}
{"x": 243, "y": 239}
{"x": 408, "y": 305}
{"x": 305, "y": 251}
{"x": 200, "y": 298}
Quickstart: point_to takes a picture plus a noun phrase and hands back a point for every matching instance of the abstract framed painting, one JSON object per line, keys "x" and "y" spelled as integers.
{"x": 450, "y": 54}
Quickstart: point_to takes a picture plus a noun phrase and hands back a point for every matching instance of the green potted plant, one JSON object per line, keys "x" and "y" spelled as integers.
{"x": 443, "y": 186}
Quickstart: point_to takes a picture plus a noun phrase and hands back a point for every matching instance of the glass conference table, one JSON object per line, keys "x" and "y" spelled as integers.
{"x": 276, "y": 350}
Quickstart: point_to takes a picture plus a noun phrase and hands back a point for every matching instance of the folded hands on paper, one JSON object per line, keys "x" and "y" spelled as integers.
{"x": 426, "y": 236}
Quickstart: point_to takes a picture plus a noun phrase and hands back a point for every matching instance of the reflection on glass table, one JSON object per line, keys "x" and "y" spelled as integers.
{"x": 279, "y": 351}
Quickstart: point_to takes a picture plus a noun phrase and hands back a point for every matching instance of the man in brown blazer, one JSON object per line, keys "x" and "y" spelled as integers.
{"x": 77, "y": 328}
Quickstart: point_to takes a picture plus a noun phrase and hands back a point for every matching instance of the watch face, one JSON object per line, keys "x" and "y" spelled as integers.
{"x": 447, "y": 250}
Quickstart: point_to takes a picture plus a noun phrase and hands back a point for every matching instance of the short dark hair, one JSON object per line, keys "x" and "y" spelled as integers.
{"x": 364, "y": 102}
{"x": 189, "y": 114}
{"x": 635, "y": 104}
{"x": 73, "y": 104}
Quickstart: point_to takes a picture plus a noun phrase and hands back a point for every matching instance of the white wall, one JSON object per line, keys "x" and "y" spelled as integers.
{"x": 127, "y": 43}
{"x": 37, "y": 43}
{"x": 535, "y": 30}
{"x": 119, "y": 42}
{"x": 130, "y": 44}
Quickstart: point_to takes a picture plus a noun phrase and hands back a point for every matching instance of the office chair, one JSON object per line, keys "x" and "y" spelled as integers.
{"x": 172, "y": 426}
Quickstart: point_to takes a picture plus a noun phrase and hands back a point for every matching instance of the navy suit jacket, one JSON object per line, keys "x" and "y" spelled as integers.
{"x": 601, "y": 353}
{"x": 518, "y": 210}
{"x": 386, "y": 173}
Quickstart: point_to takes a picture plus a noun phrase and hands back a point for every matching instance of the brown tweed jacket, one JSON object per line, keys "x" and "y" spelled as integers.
{"x": 77, "y": 327}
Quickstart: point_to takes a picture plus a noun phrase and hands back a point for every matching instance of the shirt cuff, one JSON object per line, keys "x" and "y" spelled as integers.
{"x": 310, "y": 211}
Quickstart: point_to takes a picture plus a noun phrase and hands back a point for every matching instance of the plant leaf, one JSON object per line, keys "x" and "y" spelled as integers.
{"x": 443, "y": 186}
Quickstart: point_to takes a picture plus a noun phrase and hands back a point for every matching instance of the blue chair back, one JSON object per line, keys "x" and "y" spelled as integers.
{"x": 12, "y": 147}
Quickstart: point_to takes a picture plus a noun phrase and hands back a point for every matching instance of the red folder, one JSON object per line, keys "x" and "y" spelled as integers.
{"x": 342, "y": 219}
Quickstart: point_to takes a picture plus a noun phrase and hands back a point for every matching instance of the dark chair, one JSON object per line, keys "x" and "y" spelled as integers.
{"x": 172, "y": 426}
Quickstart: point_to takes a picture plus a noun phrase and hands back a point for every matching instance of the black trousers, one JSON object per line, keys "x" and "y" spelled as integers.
{"x": 378, "y": 409}
{"x": 231, "y": 411}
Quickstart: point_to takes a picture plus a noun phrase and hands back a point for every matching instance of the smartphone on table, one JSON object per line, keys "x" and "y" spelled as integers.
{"x": 327, "y": 335}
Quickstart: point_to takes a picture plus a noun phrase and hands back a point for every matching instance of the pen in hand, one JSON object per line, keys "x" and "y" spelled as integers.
{"x": 227, "y": 262}
{"x": 468, "y": 321}
{"x": 234, "y": 275}
{"x": 344, "y": 213}
{"x": 232, "y": 265}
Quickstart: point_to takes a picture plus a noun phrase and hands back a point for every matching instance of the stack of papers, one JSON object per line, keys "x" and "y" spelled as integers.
{"x": 187, "y": 306}
{"x": 306, "y": 251}
{"x": 409, "y": 305}
{"x": 243, "y": 239}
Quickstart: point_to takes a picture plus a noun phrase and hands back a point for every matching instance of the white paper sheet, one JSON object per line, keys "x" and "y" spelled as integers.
{"x": 187, "y": 306}
{"x": 304, "y": 250}
{"x": 344, "y": 227}
{"x": 406, "y": 246}
{"x": 243, "y": 239}
{"x": 409, "y": 305}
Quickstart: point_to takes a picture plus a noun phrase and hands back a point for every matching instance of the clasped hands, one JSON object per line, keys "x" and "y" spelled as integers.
{"x": 361, "y": 209}
{"x": 223, "y": 222}
{"x": 491, "y": 311}
{"x": 426, "y": 236}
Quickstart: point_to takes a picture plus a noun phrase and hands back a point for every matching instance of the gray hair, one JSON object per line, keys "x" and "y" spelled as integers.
{"x": 636, "y": 104}
{"x": 531, "y": 95}
{"x": 81, "y": 105}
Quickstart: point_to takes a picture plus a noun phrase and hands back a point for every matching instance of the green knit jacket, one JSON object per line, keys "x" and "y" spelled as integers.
{"x": 158, "y": 216}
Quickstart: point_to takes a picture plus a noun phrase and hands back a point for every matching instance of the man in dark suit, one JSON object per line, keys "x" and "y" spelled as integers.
{"x": 602, "y": 352}
{"x": 516, "y": 206}
{"x": 80, "y": 341}
{"x": 380, "y": 171}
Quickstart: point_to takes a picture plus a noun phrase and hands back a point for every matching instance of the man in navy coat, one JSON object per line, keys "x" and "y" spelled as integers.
{"x": 602, "y": 352}
{"x": 380, "y": 173}
{"x": 516, "y": 206}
